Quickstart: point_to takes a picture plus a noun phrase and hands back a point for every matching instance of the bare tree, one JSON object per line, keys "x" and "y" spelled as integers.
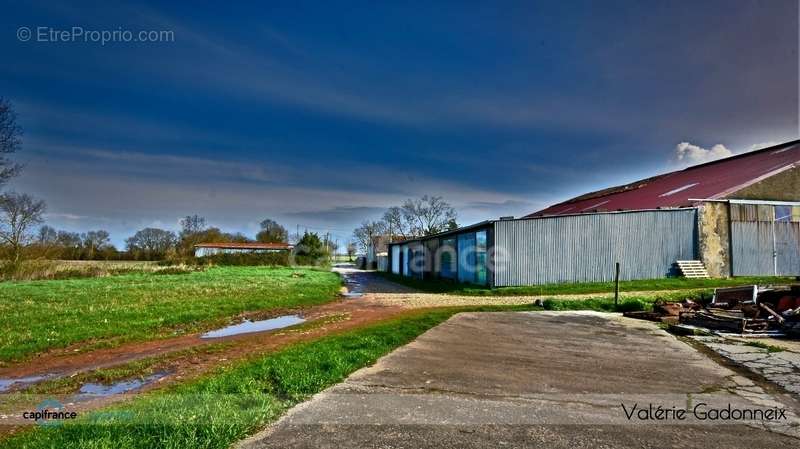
{"x": 429, "y": 215}
{"x": 397, "y": 224}
{"x": 94, "y": 241}
{"x": 151, "y": 243}
{"x": 367, "y": 231}
{"x": 351, "y": 251}
{"x": 47, "y": 235}
{"x": 19, "y": 212}
{"x": 272, "y": 232}
{"x": 10, "y": 141}
{"x": 192, "y": 224}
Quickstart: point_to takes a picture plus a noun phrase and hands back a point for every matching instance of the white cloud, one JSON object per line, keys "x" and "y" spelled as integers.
{"x": 762, "y": 145}
{"x": 65, "y": 216}
{"x": 689, "y": 154}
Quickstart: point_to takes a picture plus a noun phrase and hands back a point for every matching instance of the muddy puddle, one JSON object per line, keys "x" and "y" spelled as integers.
{"x": 8, "y": 383}
{"x": 93, "y": 390}
{"x": 248, "y": 327}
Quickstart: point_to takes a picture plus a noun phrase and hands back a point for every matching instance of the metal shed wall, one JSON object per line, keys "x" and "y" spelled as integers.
{"x": 394, "y": 256}
{"x": 763, "y": 248}
{"x": 585, "y": 247}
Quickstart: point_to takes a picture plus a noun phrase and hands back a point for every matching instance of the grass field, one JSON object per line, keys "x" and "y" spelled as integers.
{"x": 39, "y": 315}
{"x": 453, "y": 288}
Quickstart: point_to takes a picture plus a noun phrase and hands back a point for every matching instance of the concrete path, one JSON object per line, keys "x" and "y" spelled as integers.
{"x": 781, "y": 367}
{"x": 542, "y": 379}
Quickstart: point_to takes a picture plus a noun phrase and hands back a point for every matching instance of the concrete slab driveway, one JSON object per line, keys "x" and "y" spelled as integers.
{"x": 542, "y": 379}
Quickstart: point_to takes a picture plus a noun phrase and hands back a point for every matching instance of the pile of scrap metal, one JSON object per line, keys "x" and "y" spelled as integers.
{"x": 666, "y": 312}
{"x": 750, "y": 310}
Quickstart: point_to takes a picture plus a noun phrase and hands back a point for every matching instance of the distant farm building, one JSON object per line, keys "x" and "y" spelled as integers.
{"x": 210, "y": 249}
{"x": 738, "y": 216}
{"x": 378, "y": 252}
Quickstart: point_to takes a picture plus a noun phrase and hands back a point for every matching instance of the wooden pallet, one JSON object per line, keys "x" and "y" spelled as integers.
{"x": 692, "y": 269}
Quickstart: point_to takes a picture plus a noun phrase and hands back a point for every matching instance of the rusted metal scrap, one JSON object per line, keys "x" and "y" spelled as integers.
{"x": 744, "y": 310}
{"x": 665, "y": 311}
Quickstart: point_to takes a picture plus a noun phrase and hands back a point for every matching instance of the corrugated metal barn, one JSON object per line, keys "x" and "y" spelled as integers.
{"x": 547, "y": 250}
{"x": 739, "y": 216}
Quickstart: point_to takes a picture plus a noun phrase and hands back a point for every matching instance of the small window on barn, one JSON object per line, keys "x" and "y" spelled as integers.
{"x": 783, "y": 214}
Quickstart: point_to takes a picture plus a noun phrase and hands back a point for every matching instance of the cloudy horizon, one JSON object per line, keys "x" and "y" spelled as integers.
{"x": 270, "y": 111}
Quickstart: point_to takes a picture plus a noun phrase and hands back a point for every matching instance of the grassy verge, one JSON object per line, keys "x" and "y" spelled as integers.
{"x": 630, "y": 304}
{"x": 231, "y": 403}
{"x": 40, "y": 315}
{"x": 453, "y": 288}
{"x": 768, "y": 347}
{"x": 69, "y": 269}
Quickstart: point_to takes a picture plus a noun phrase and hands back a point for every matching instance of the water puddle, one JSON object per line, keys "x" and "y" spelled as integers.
{"x": 7, "y": 383}
{"x": 247, "y": 326}
{"x": 355, "y": 289}
{"x": 92, "y": 390}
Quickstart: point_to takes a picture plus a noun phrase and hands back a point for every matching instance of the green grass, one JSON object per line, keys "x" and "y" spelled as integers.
{"x": 40, "y": 315}
{"x": 231, "y": 403}
{"x": 629, "y": 304}
{"x": 453, "y": 288}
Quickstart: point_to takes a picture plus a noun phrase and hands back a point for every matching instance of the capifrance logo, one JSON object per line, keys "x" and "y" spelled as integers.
{"x": 49, "y": 413}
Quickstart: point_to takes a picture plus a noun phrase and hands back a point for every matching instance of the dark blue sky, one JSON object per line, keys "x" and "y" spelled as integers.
{"x": 323, "y": 114}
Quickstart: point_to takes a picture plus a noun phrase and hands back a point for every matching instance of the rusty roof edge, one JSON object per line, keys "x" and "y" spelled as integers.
{"x": 643, "y": 182}
{"x": 606, "y": 212}
{"x": 445, "y": 233}
{"x": 767, "y": 175}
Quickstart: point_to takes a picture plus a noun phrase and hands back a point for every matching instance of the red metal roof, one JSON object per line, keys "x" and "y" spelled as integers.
{"x": 245, "y": 245}
{"x": 712, "y": 180}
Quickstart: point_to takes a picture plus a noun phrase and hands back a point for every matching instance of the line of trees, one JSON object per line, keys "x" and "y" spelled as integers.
{"x": 146, "y": 244}
{"x": 419, "y": 217}
{"x": 57, "y": 244}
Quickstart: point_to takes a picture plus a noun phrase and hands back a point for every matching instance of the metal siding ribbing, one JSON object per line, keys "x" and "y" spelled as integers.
{"x": 395, "y": 262}
{"x": 404, "y": 267}
{"x": 788, "y": 248}
{"x": 753, "y": 248}
{"x": 586, "y": 247}
{"x": 416, "y": 260}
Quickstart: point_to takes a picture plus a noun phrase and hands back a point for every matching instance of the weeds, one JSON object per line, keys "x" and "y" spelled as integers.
{"x": 70, "y": 269}
{"x": 768, "y": 347}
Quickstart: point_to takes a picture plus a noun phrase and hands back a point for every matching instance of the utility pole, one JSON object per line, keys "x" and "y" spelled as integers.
{"x": 616, "y": 285}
